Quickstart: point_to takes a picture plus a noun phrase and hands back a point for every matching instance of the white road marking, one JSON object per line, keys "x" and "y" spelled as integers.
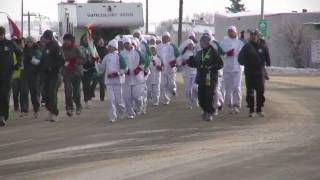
{"x": 47, "y": 155}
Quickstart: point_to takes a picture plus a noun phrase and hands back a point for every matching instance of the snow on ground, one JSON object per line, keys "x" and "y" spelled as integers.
{"x": 292, "y": 71}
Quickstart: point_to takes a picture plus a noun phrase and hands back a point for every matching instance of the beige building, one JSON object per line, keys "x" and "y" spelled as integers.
{"x": 297, "y": 25}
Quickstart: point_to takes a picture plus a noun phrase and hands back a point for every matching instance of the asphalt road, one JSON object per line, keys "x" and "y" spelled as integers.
{"x": 171, "y": 142}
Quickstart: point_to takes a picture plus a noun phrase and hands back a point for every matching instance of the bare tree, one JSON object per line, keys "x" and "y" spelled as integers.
{"x": 298, "y": 40}
{"x": 165, "y": 26}
{"x": 207, "y": 17}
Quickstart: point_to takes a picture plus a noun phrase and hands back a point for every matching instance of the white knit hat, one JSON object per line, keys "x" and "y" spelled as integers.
{"x": 207, "y": 32}
{"x": 137, "y": 31}
{"x": 126, "y": 40}
{"x": 191, "y": 34}
{"x": 233, "y": 28}
{"x": 153, "y": 38}
{"x": 113, "y": 43}
{"x": 186, "y": 44}
{"x": 135, "y": 41}
{"x": 166, "y": 34}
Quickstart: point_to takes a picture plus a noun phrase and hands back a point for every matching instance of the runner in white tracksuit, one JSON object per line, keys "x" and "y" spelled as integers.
{"x": 154, "y": 79}
{"x": 114, "y": 67}
{"x": 188, "y": 73}
{"x": 168, "y": 52}
{"x": 134, "y": 81}
{"x": 232, "y": 70}
{"x": 146, "y": 53}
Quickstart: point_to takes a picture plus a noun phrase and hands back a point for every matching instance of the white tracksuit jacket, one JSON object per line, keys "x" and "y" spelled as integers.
{"x": 168, "y": 53}
{"x": 154, "y": 79}
{"x": 189, "y": 76}
{"x": 134, "y": 84}
{"x": 112, "y": 64}
{"x": 232, "y": 72}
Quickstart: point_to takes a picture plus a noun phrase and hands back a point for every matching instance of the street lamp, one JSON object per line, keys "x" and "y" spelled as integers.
{"x": 262, "y": 9}
{"x": 147, "y": 16}
{"x": 21, "y": 18}
{"x": 29, "y": 16}
{"x": 180, "y": 21}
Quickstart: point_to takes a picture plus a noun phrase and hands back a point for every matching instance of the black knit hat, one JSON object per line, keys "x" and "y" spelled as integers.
{"x": 2, "y": 30}
{"x": 68, "y": 36}
{"x": 48, "y": 34}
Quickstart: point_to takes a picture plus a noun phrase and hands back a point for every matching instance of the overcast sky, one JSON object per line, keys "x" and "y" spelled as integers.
{"x": 165, "y": 9}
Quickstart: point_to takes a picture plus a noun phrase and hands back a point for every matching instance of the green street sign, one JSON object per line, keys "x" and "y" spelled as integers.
{"x": 263, "y": 28}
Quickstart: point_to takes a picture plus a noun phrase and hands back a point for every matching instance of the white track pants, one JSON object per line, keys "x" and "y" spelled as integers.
{"x": 154, "y": 92}
{"x": 116, "y": 107}
{"x": 168, "y": 86}
{"x": 190, "y": 90}
{"x": 133, "y": 98}
{"x": 232, "y": 83}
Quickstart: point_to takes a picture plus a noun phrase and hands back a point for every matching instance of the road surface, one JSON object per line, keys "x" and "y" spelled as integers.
{"x": 171, "y": 142}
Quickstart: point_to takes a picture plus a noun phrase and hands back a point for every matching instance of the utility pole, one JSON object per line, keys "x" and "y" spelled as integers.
{"x": 147, "y": 16}
{"x": 21, "y": 18}
{"x": 180, "y": 21}
{"x": 262, "y": 9}
{"x": 29, "y": 21}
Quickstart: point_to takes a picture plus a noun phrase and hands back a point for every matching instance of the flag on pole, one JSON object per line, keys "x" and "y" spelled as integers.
{"x": 92, "y": 47}
{"x": 14, "y": 30}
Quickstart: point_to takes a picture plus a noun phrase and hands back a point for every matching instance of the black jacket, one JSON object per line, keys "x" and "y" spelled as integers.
{"x": 206, "y": 60}
{"x": 102, "y": 51}
{"x": 28, "y": 54}
{"x": 7, "y": 48}
{"x": 254, "y": 57}
{"x": 52, "y": 58}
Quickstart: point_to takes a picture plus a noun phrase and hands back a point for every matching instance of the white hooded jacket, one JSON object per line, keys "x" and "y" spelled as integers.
{"x": 133, "y": 60}
{"x": 231, "y": 62}
{"x": 168, "y": 53}
{"x": 111, "y": 64}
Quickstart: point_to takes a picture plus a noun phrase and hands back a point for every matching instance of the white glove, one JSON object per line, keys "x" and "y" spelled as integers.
{"x": 35, "y": 61}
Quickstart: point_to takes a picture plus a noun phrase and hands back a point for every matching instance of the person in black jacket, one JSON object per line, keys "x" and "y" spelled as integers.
{"x": 99, "y": 77}
{"x": 88, "y": 71}
{"x": 207, "y": 62}
{"x": 254, "y": 56}
{"x": 7, "y": 49}
{"x": 30, "y": 76}
{"x": 50, "y": 65}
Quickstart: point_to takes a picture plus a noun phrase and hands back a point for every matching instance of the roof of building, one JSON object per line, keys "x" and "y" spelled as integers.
{"x": 252, "y": 13}
{"x": 196, "y": 28}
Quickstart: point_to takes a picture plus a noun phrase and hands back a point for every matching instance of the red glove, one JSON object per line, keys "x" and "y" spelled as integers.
{"x": 159, "y": 68}
{"x": 113, "y": 75}
{"x": 184, "y": 63}
{"x": 128, "y": 72}
{"x": 230, "y": 53}
{"x": 154, "y": 63}
{"x": 93, "y": 59}
{"x": 146, "y": 73}
{"x": 173, "y": 63}
{"x": 70, "y": 64}
{"x": 137, "y": 70}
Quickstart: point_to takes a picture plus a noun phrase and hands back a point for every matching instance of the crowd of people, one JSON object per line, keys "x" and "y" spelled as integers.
{"x": 133, "y": 73}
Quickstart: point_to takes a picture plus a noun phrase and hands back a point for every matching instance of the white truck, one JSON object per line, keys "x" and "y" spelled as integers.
{"x": 108, "y": 18}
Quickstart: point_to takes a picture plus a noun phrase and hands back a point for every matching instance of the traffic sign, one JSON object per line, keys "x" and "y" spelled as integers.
{"x": 263, "y": 28}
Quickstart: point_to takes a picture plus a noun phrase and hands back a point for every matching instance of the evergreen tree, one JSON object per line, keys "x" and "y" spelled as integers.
{"x": 235, "y": 7}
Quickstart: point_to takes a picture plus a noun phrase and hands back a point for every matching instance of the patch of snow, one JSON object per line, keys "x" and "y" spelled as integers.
{"x": 292, "y": 71}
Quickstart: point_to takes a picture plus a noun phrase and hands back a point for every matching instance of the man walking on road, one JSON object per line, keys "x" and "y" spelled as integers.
{"x": 254, "y": 56}
{"x": 51, "y": 63}
{"x": 207, "y": 62}
{"x": 7, "y": 51}
{"x": 72, "y": 73}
